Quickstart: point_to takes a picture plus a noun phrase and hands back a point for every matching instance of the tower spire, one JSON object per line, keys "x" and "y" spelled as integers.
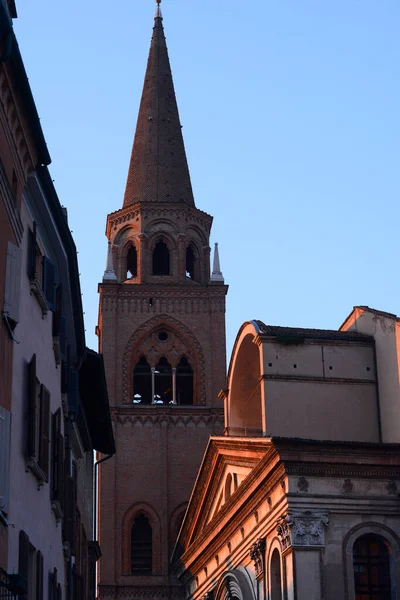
{"x": 216, "y": 272}
{"x": 158, "y": 170}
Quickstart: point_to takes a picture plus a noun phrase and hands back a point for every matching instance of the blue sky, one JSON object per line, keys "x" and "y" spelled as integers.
{"x": 291, "y": 123}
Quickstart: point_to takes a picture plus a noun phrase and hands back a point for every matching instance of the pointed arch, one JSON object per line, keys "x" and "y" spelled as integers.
{"x": 161, "y": 258}
{"x": 157, "y": 322}
{"x": 132, "y": 516}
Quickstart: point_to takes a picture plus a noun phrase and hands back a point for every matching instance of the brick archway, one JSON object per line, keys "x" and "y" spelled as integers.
{"x": 181, "y": 331}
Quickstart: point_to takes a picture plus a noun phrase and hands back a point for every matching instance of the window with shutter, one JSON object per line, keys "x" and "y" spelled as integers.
{"x": 39, "y": 576}
{"x": 49, "y": 282}
{"x": 5, "y": 432}
{"x": 57, "y": 464}
{"x": 12, "y": 286}
{"x": 32, "y": 252}
{"x": 44, "y": 439}
{"x": 69, "y": 512}
{"x": 23, "y": 559}
{"x": 33, "y": 410}
{"x": 38, "y": 426}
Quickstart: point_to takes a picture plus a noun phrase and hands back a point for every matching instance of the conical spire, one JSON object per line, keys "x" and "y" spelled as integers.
{"x": 158, "y": 171}
{"x": 216, "y": 272}
{"x": 109, "y": 273}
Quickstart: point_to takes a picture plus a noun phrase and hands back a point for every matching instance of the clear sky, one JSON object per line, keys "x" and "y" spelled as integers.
{"x": 291, "y": 123}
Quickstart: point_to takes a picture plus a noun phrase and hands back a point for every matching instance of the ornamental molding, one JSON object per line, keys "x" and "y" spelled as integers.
{"x": 169, "y": 419}
{"x": 142, "y": 592}
{"x": 143, "y": 332}
{"x": 302, "y": 529}
{"x": 174, "y": 302}
{"x": 344, "y": 471}
{"x": 14, "y": 124}
{"x": 257, "y": 555}
{"x": 171, "y": 212}
{"x": 126, "y": 291}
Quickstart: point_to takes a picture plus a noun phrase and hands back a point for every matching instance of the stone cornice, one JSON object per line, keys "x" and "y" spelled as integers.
{"x": 171, "y": 211}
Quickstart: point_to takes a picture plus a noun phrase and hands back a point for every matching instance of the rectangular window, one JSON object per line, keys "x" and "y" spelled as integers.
{"x": 38, "y": 425}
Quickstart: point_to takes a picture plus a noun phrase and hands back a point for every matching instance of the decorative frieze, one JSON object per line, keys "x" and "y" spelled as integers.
{"x": 175, "y": 420}
{"x": 141, "y": 592}
{"x": 302, "y": 529}
{"x": 257, "y": 555}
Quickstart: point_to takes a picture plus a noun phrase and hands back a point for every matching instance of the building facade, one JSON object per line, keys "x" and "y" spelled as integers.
{"x": 300, "y": 498}
{"x": 54, "y": 408}
{"x": 162, "y": 334}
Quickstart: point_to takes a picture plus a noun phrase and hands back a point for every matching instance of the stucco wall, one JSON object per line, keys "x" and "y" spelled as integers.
{"x": 30, "y": 507}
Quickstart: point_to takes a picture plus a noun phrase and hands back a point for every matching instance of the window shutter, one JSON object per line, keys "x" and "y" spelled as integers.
{"x": 23, "y": 555}
{"x": 5, "y": 432}
{"x": 49, "y": 282}
{"x": 59, "y": 592}
{"x": 55, "y": 462}
{"x": 12, "y": 284}
{"x": 69, "y": 512}
{"x": 32, "y": 252}
{"x": 44, "y": 439}
{"x": 39, "y": 576}
{"x": 32, "y": 408}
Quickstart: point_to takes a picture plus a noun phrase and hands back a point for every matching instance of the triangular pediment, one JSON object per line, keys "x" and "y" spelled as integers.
{"x": 227, "y": 468}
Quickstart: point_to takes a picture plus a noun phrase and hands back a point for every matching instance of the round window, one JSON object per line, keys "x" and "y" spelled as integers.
{"x": 162, "y": 336}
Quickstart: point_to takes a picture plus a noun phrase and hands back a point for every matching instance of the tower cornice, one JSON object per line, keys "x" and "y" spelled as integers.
{"x": 119, "y": 218}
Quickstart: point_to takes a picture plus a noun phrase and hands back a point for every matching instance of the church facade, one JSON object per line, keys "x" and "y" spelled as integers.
{"x": 300, "y": 500}
{"x": 161, "y": 331}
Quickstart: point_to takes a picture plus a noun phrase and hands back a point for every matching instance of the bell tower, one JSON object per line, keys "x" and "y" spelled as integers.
{"x": 161, "y": 331}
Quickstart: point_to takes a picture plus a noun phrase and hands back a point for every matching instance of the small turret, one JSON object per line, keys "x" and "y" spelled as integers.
{"x": 216, "y": 272}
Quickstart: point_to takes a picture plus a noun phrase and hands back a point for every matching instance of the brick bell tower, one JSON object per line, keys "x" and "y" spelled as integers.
{"x": 162, "y": 334}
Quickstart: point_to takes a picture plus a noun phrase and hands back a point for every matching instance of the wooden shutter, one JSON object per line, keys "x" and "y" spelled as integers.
{"x": 39, "y": 576}
{"x": 23, "y": 555}
{"x": 49, "y": 282}
{"x": 32, "y": 408}
{"x": 44, "y": 439}
{"x": 59, "y": 592}
{"x": 5, "y": 434}
{"x": 12, "y": 284}
{"x": 69, "y": 512}
{"x": 32, "y": 252}
{"x": 55, "y": 448}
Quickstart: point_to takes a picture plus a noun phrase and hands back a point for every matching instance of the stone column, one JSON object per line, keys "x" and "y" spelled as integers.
{"x": 173, "y": 385}
{"x": 303, "y": 539}
{"x": 153, "y": 385}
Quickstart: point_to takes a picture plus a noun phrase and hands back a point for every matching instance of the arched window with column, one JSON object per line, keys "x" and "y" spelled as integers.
{"x": 276, "y": 576}
{"x": 142, "y": 387}
{"x": 161, "y": 260}
{"x": 141, "y": 546}
{"x": 163, "y": 382}
{"x": 191, "y": 262}
{"x": 184, "y": 382}
{"x": 131, "y": 262}
{"x": 371, "y": 565}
